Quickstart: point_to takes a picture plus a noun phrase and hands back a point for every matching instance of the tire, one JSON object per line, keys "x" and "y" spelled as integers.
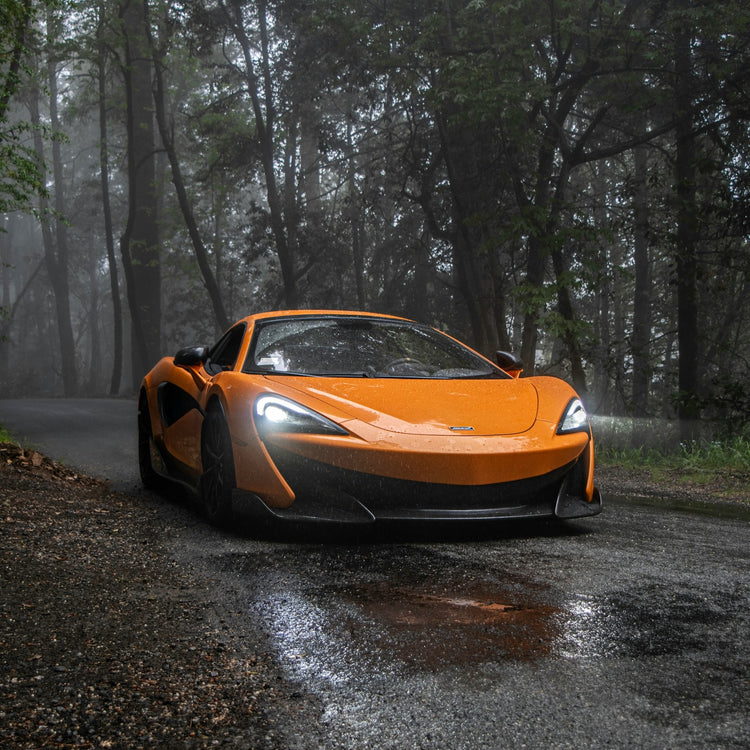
{"x": 149, "y": 477}
{"x": 218, "y": 478}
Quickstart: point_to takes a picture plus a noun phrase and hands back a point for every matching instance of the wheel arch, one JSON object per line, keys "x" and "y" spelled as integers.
{"x": 147, "y": 400}
{"x": 142, "y": 397}
{"x": 215, "y": 404}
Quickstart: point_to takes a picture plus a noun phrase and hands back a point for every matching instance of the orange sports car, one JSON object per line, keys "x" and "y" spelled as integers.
{"x": 356, "y": 417}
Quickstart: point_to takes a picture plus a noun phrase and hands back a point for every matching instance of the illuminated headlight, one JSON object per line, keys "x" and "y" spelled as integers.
{"x": 277, "y": 414}
{"x": 574, "y": 419}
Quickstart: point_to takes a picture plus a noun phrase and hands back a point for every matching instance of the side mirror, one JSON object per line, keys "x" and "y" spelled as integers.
{"x": 510, "y": 363}
{"x": 191, "y": 356}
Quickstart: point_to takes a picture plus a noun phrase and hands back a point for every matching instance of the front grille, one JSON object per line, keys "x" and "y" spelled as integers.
{"x": 388, "y": 497}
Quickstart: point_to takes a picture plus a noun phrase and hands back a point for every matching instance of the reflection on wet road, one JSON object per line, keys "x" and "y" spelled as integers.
{"x": 429, "y": 627}
{"x": 626, "y": 630}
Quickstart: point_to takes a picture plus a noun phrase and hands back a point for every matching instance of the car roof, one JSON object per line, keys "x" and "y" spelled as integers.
{"x": 319, "y": 313}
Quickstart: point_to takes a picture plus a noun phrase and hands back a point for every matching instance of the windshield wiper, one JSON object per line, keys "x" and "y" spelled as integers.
{"x": 281, "y": 372}
{"x": 294, "y": 373}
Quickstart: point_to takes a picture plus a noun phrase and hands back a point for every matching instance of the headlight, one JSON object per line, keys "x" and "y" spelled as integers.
{"x": 574, "y": 418}
{"x": 277, "y": 414}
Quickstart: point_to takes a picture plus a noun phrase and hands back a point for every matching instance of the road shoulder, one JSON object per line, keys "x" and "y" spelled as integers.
{"x": 635, "y": 483}
{"x": 106, "y": 641}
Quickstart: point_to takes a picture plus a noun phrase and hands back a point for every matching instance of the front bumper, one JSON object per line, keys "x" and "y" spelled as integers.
{"x": 329, "y": 493}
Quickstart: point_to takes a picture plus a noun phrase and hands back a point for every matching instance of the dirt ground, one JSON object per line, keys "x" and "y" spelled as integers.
{"x": 676, "y": 486}
{"x": 105, "y": 642}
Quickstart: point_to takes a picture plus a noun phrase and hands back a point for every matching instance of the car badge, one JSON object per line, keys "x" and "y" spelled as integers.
{"x": 462, "y": 429}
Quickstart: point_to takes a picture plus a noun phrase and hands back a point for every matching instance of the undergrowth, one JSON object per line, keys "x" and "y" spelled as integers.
{"x": 730, "y": 455}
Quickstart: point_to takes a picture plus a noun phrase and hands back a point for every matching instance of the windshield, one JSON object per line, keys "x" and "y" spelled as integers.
{"x": 361, "y": 347}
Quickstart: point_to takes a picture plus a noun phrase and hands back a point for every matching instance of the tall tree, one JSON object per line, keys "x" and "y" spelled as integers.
{"x": 166, "y": 131}
{"x": 685, "y": 239}
{"x": 104, "y": 176}
{"x": 641, "y": 336}
{"x": 139, "y": 244}
{"x": 55, "y": 244}
{"x": 261, "y": 88}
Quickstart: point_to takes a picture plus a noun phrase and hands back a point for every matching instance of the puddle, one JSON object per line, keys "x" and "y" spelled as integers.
{"x": 376, "y": 627}
{"x": 414, "y": 608}
{"x": 435, "y": 628}
{"x": 355, "y": 616}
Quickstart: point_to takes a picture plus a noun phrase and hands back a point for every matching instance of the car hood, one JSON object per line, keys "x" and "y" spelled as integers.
{"x": 427, "y": 407}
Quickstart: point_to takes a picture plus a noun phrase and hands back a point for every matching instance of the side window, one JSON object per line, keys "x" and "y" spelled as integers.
{"x": 224, "y": 354}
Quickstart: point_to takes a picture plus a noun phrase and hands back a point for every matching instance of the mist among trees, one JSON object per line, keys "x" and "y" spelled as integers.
{"x": 566, "y": 180}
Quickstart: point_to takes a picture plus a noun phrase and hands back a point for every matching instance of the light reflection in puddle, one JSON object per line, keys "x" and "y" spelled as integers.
{"x": 336, "y": 633}
{"x": 376, "y": 628}
{"x": 307, "y": 638}
{"x": 582, "y": 632}
{"x": 658, "y": 621}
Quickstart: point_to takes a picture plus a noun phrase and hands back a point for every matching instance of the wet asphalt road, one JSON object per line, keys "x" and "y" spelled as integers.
{"x": 630, "y": 629}
{"x": 97, "y": 436}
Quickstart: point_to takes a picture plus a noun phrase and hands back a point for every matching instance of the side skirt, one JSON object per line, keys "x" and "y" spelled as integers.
{"x": 168, "y": 467}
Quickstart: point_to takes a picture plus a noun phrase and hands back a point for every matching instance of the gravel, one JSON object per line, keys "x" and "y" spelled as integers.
{"x": 104, "y": 641}
{"x": 709, "y": 489}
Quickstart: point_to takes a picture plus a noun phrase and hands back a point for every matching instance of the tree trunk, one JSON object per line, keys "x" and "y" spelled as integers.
{"x": 114, "y": 384}
{"x": 55, "y": 248}
{"x": 265, "y": 126}
{"x": 218, "y": 200}
{"x": 603, "y": 296}
{"x": 536, "y": 259}
{"x": 569, "y": 335}
{"x": 355, "y": 220}
{"x": 685, "y": 250}
{"x": 641, "y": 336}
{"x": 139, "y": 243}
{"x": 464, "y": 160}
{"x": 535, "y": 262}
{"x": 201, "y": 253}
{"x": 92, "y": 386}
{"x": 61, "y": 284}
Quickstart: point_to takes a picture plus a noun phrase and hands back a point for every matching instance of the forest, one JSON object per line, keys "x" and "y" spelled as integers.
{"x": 564, "y": 179}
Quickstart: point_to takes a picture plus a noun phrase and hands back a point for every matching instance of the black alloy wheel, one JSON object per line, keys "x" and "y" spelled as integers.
{"x": 217, "y": 481}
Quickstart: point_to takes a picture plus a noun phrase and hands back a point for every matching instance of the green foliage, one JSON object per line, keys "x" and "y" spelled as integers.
{"x": 15, "y": 17}
{"x": 731, "y": 454}
{"x": 21, "y": 174}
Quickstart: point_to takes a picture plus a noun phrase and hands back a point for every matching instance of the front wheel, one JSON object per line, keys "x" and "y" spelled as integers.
{"x": 217, "y": 481}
